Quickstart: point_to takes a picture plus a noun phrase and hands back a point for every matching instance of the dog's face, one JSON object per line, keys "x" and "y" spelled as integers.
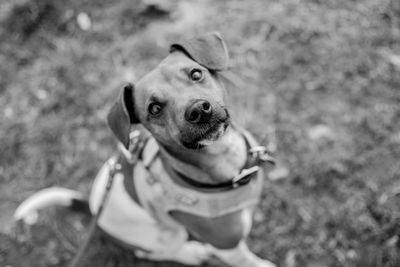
{"x": 181, "y": 102}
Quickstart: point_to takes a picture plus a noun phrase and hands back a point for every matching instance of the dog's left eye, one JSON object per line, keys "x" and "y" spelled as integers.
{"x": 154, "y": 109}
{"x": 196, "y": 75}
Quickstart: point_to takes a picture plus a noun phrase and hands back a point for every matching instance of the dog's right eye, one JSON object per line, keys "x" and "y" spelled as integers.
{"x": 154, "y": 109}
{"x": 196, "y": 75}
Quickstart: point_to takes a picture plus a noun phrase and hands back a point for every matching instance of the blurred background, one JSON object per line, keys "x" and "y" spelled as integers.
{"x": 317, "y": 81}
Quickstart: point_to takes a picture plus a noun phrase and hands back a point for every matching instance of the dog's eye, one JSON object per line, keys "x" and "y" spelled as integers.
{"x": 196, "y": 75}
{"x": 154, "y": 109}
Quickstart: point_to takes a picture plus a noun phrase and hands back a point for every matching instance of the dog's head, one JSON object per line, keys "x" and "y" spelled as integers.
{"x": 182, "y": 101}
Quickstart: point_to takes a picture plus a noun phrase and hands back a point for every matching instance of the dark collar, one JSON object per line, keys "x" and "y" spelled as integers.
{"x": 244, "y": 177}
{"x": 255, "y": 156}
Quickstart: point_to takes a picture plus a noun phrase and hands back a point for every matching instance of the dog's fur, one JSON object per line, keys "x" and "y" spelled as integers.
{"x": 186, "y": 114}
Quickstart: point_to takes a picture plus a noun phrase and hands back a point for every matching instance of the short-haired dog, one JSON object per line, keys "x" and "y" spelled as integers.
{"x": 185, "y": 169}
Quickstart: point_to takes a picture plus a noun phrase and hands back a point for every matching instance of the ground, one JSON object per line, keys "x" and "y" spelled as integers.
{"x": 317, "y": 81}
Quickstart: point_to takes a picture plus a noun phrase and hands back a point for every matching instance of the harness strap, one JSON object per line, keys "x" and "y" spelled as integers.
{"x": 138, "y": 149}
{"x": 127, "y": 171}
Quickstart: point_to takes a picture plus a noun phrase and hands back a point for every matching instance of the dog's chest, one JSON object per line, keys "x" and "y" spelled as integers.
{"x": 158, "y": 196}
{"x": 159, "y": 193}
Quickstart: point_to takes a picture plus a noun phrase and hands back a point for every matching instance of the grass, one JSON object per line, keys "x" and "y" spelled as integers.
{"x": 316, "y": 80}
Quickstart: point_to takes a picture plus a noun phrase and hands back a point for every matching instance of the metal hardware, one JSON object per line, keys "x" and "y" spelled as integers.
{"x": 135, "y": 146}
{"x": 244, "y": 176}
{"x": 262, "y": 153}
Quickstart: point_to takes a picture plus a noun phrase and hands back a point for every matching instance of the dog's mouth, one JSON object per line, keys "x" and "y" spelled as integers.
{"x": 203, "y": 137}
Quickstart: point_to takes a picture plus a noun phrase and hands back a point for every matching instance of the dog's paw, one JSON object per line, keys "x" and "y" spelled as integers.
{"x": 194, "y": 253}
{"x": 191, "y": 253}
{"x": 255, "y": 261}
{"x": 265, "y": 263}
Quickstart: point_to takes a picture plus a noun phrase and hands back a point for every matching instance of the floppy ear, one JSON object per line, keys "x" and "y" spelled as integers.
{"x": 122, "y": 115}
{"x": 208, "y": 50}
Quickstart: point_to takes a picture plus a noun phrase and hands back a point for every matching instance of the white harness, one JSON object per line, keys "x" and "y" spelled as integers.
{"x": 148, "y": 225}
{"x": 177, "y": 197}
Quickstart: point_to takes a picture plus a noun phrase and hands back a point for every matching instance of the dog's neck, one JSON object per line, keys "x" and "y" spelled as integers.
{"x": 222, "y": 160}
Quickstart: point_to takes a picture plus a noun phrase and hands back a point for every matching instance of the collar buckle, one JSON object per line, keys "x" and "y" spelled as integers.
{"x": 244, "y": 176}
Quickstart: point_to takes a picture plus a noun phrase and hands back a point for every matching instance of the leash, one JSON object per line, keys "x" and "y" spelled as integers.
{"x": 115, "y": 167}
{"x": 136, "y": 144}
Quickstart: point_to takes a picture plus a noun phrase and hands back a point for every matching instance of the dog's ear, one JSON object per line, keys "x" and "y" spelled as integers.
{"x": 122, "y": 115}
{"x": 208, "y": 50}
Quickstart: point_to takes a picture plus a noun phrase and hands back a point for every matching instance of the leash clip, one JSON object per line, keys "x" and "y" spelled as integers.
{"x": 262, "y": 154}
{"x": 135, "y": 146}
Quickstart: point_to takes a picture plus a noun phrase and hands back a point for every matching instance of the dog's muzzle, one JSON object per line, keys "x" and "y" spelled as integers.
{"x": 199, "y": 112}
{"x": 205, "y": 123}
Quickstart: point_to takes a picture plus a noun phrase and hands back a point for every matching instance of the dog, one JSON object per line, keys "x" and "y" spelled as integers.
{"x": 185, "y": 169}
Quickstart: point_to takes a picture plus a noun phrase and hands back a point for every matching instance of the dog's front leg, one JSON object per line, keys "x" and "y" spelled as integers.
{"x": 241, "y": 256}
{"x": 190, "y": 253}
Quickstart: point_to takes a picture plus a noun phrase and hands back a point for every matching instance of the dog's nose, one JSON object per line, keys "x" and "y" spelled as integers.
{"x": 199, "y": 112}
